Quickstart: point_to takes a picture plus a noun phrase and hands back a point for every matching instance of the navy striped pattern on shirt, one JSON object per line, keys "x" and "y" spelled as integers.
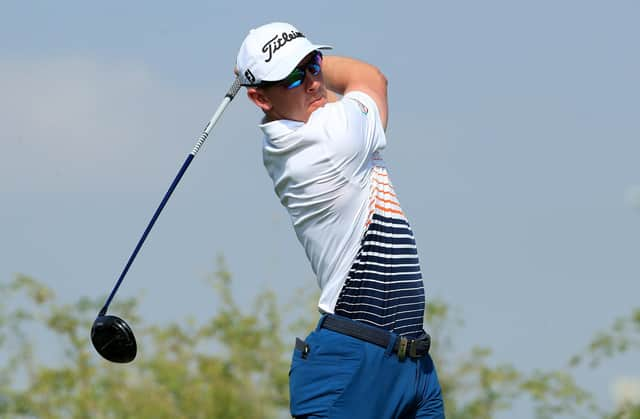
{"x": 384, "y": 287}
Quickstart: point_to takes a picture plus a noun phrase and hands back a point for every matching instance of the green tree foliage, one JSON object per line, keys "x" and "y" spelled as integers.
{"x": 475, "y": 387}
{"x": 235, "y": 363}
{"x": 232, "y": 366}
{"x": 622, "y": 336}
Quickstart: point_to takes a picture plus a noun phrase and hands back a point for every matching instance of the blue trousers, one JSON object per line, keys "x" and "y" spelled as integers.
{"x": 339, "y": 376}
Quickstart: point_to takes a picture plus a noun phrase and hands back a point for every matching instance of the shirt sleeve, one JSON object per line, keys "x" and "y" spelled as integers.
{"x": 359, "y": 105}
{"x": 350, "y": 130}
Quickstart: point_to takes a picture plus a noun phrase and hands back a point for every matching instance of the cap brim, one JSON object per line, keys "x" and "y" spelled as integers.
{"x": 286, "y": 67}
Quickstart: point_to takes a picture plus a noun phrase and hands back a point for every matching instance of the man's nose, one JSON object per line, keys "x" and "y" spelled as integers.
{"x": 313, "y": 82}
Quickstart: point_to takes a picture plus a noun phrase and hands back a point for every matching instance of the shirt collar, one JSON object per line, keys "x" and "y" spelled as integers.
{"x": 279, "y": 128}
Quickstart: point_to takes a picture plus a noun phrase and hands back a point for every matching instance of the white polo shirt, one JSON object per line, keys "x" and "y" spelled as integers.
{"x": 322, "y": 174}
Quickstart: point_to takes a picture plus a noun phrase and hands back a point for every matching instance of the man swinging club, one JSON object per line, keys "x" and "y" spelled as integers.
{"x": 324, "y": 129}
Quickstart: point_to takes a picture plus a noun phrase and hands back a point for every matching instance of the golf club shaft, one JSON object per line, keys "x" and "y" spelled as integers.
{"x": 225, "y": 102}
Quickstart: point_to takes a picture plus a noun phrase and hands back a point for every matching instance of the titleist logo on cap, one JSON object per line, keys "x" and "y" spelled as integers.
{"x": 278, "y": 41}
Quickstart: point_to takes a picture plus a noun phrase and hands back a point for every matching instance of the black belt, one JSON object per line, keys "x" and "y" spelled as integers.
{"x": 403, "y": 346}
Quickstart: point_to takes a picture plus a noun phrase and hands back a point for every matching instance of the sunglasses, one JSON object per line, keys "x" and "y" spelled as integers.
{"x": 297, "y": 76}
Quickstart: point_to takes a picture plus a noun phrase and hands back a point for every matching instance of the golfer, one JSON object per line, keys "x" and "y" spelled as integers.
{"x": 324, "y": 131}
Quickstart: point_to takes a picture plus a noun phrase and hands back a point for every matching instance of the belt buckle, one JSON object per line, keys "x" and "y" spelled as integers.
{"x": 413, "y": 347}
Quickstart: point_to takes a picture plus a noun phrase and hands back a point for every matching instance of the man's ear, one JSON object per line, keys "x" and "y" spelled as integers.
{"x": 258, "y": 97}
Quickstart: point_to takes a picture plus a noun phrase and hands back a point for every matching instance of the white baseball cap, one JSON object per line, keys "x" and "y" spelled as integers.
{"x": 271, "y": 52}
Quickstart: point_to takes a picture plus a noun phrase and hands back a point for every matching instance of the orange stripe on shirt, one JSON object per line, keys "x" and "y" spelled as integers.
{"x": 385, "y": 184}
{"x": 391, "y": 210}
{"x": 385, "y": 192}
{"x": 388, "y": 201}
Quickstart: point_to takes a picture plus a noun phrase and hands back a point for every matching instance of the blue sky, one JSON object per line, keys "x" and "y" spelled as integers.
{"x": 513, "y": 142}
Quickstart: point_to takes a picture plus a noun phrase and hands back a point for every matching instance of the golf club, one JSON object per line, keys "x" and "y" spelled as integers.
{"x": 111, "y": 336}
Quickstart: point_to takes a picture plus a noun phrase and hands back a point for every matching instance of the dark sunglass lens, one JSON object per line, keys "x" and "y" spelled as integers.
{"x": 314, "y": 69}
{"x": 294, "y": 79}
{"x": 297, "y": 76}
{"x": 315, "y": 64}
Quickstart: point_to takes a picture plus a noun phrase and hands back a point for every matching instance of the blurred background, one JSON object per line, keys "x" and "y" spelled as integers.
{"x": 513, "y": 143}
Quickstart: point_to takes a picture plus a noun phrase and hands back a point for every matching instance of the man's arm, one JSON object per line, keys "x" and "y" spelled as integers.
{"x": 342, "y": 75}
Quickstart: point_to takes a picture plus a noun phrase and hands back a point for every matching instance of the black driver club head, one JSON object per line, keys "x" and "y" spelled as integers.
{"x": 113, "y": 339}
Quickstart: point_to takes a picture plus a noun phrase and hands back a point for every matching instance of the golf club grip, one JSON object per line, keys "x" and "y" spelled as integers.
{"x": 233, "y": 90}
{"x": 225, "y": 102}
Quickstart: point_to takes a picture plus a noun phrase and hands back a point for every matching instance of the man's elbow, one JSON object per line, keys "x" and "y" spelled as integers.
{"x": 382, "y": 80}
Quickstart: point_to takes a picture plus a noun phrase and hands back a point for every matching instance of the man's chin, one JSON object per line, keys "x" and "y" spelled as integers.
{"x": 317, "y": 104}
